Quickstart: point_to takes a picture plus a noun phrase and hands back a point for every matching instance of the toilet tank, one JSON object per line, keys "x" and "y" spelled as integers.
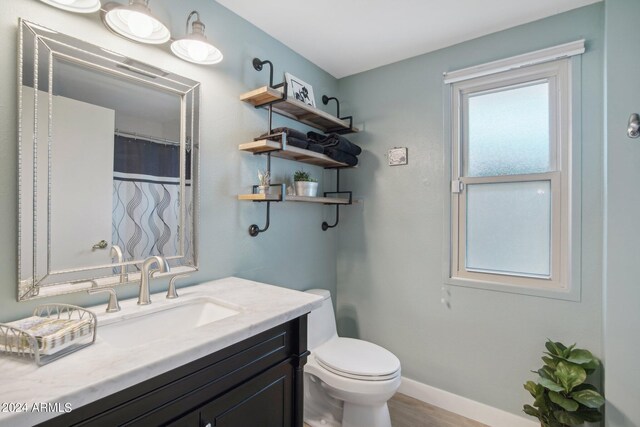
{"x": 321, "y": 322}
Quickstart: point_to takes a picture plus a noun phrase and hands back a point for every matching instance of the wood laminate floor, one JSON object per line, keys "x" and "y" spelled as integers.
{"x": 409, "y": 412}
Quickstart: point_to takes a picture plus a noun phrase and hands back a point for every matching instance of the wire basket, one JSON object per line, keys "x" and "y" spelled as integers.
{"x": 53, "y": 331}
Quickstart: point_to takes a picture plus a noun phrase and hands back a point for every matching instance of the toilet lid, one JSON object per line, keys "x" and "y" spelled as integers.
{"x": 357, "y": 358}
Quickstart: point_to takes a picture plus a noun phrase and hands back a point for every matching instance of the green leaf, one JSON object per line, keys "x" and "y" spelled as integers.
{"x": 585, "y": 386}
{"x": 570, "y": 375}
{"x": 555, "y": 348}
{"x": 580, "y": 356}
{"x": 542, "y": 402}
{"x": 550, "y": 362}
{"x": 590, "y": 367}
{"x": 532, "y": 388}
{"x": 569, "y": 418}
{"x": 568, "y": 404}
{"x": 530, "y": 410}
{"x": 548, "y": 373}
{"x": 551, "y": 385}
{"x": 554, "y": 423}
{"x": 589, "y": 398}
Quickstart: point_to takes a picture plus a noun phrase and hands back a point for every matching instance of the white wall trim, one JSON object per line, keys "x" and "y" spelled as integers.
{"x": 468, "y": 408}
{"x": 537, "y": 57}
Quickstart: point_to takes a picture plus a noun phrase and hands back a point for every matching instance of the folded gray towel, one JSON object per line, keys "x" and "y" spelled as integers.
{"x": 315, "y": 147}
{"x": 335, "y": 141}
{"x": 297, "y": 142}
{"x": 341, "y": 156}
{"x": 291, "y": 133}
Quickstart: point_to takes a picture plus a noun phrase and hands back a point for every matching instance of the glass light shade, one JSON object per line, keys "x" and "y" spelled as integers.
{"x": 78, "y": 6}
{"x": 195, "y": 48}
{"x": 136, "y": 22}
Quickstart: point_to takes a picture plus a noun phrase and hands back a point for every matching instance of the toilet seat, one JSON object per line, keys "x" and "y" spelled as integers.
{"x": 357, "y": 359}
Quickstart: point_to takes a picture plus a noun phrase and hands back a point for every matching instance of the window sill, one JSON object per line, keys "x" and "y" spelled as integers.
{"x": 568, "y": 294}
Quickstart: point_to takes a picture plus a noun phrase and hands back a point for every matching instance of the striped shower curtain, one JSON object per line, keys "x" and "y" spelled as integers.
{"x": 146, "y": 199}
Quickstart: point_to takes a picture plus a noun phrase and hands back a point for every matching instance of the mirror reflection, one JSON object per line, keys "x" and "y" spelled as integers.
{"x": 107, "y": 146}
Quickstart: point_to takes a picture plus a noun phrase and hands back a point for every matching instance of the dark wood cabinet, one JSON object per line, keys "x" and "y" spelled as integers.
{"x": 257, "y": 382}
{"x": 264, "y": 401}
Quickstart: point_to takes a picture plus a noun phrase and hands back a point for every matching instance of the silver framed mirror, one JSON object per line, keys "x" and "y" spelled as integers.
{"x": 108, "y": 154}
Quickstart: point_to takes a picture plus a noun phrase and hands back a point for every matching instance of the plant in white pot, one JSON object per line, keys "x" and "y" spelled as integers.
{"x": 561, "y": 396}
{"x": 265, "y": 181}
{"x": 304, "y": 184}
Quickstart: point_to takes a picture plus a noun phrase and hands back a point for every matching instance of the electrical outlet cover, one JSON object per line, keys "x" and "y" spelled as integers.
{"x": 398, "y": 156}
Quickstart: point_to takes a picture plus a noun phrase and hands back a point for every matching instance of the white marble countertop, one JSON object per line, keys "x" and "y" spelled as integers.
{"x": 102, "y": 369}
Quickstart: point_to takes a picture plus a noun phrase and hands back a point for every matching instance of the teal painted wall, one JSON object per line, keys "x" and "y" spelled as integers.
{"x": 390, "y": 262}
{"x": 622, "y": 296}
{"x": 284, "y": 254}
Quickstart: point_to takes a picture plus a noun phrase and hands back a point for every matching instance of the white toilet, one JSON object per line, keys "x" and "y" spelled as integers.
{"x": 347, "y": 382}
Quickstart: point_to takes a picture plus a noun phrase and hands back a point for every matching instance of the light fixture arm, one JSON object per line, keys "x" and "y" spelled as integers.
{"x": 197, "y": 21}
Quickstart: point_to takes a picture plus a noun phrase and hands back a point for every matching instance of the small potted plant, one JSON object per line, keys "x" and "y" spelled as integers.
{"x": 562, "y": 398}
{"x": 264, "y": 178}
{"x": 304, "y": 184}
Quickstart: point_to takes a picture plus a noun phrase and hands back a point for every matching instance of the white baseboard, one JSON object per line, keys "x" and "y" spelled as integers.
{"x": 468, "y": 408}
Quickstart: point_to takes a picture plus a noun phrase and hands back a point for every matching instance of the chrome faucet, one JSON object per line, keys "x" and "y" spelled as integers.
{"x": 163, "y": 266}
{"x": 112, "y": 305}
{"x": 116, "y": 253}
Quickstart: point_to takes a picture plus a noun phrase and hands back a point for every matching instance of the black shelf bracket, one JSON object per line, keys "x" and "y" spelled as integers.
{"x": 325, "y": 224}
{"x": 325, "y": 101}
{"x": 254, "y": 230}
{"x": 258, "y": 64}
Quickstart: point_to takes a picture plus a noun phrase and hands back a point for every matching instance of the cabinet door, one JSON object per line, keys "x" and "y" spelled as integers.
{"x": 264, "y": 401}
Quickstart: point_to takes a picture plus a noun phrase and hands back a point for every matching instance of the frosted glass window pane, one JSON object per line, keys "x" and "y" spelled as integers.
{"x": 509, "y": 132}
{"x": 509, "y": 228}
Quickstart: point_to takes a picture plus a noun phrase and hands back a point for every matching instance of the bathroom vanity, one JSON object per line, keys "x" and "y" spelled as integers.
{"x": 228, "y": 353}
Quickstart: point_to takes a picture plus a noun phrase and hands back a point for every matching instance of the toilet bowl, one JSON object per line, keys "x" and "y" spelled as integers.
{"x": 347, "y": 382}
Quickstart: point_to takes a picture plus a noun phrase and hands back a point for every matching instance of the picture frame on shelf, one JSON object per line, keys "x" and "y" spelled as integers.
{"x": 299, "y": 90}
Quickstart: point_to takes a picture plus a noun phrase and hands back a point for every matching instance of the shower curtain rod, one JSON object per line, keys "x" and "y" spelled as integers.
{"x": 136, "y": 135}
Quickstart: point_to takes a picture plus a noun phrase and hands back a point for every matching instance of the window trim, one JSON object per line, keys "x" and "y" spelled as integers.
{"x": 564, "y": 283}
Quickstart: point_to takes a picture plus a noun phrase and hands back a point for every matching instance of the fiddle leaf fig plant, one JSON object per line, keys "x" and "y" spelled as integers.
{"x": 561, "y": 396}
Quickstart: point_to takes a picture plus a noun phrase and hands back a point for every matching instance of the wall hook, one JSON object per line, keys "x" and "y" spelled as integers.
{"x": 633, "y": 130}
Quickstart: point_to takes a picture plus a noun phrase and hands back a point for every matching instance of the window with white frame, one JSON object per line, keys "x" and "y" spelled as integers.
{"x": 511, "y": 177}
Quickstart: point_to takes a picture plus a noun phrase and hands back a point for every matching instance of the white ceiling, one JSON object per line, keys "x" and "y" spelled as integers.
{"x": 346, "y": 37}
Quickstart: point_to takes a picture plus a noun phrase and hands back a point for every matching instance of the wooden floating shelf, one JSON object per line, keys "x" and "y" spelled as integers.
{"x": 276, "y": 198}
{"x": 296, "y": 110}
{"x": 259, "y": 197}
{"x": 291, "y": 153}
{"x": 325, "y": 200}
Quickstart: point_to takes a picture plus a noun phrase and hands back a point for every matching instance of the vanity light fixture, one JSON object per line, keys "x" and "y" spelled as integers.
{"x": 135, "y": 21}
{"x": 78, "y": 6}
{"x": 194, "y": 47}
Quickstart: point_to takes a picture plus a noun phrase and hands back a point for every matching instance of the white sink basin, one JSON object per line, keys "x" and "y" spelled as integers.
{"x": 140, "y": 328}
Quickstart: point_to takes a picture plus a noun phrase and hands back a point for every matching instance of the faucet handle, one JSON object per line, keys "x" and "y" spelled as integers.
{"x": 171, "y": 292}
{"x": 112, "y": 305}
